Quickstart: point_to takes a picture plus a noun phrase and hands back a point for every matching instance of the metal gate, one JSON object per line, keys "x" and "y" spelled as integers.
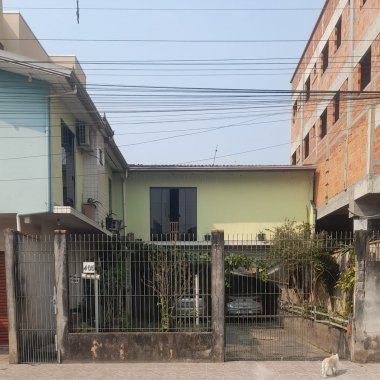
{"x": 269, "y": 291}
{"x": 35, "y": 299}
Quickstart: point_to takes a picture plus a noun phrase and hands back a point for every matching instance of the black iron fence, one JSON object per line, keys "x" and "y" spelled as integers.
{"x": 138, "y": 286}
{"x": 35, "y": 298}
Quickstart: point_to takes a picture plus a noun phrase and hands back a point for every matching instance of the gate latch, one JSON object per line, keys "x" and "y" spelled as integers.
{"x": 54, "y": 300}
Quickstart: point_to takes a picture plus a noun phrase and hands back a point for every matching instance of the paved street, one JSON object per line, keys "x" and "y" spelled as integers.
{"x": 185, "y": 371}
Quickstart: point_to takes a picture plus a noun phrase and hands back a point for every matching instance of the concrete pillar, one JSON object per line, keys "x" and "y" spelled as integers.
{"x": 365, "y": 344}
{"x": 217, "y": 294}
{"x": 61, "y": 283}
{"x": 11, "y": 281}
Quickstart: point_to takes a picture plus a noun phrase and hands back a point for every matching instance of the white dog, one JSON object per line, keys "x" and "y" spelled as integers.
{"x": 330, "y": 363}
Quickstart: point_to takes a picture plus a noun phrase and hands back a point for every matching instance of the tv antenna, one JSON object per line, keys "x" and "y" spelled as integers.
{"x": 216, "y": 151}
{"x": 78, "y": 11}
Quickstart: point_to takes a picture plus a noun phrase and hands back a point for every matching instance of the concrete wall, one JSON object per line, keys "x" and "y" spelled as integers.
{"x": 24, "y": 130}
{"x": 144, "y": 347}
{"x": 328, "y": 338}
{"x": 71, "y": 62}
{"x": 18, "y": 37}
{"x": 238, "y": 203}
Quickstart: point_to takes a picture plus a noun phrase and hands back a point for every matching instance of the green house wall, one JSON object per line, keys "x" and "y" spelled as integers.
{"x": 240, "y": 203}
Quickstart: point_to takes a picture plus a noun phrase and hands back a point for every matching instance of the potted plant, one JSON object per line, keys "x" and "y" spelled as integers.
{"x": 261, "y": 236}
{"x": 89, "y": 208}
{"x": 109, "y": 220}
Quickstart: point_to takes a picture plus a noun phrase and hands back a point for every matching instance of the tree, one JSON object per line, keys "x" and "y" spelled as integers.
{"x": 304, "y": 260}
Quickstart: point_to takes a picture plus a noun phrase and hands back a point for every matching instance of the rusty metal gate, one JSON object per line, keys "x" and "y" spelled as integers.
{"x": 35, "y": 299}
{"x": 270, "y": 298}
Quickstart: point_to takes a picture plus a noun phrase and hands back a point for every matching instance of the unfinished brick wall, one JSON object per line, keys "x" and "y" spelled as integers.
{"x": 341, "y": 152}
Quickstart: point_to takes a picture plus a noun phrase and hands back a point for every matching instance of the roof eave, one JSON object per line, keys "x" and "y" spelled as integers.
{"x": 237, "y": 168}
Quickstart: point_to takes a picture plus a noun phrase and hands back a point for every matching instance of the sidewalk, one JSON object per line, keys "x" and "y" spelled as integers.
{"x": 185, "y": 371}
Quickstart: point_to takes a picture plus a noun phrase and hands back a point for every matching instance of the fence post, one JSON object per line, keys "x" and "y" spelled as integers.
{"x": 358, "y": 351}
{"x": 10, "y": 270}
{"x": 217, "y": 294}
{"x": 61, "y": 283}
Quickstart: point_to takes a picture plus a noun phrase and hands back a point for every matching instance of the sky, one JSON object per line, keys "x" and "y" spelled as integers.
{"x": 178, "y": 80}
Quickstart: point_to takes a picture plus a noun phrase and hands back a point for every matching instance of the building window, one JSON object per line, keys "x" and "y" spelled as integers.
{"x": 338, "y": 34}
{"x": 306, "y": 146}
{"x": 362, "y": 3}
{"x": 365, "y": 70}
{"x": 323, "y": 122}
{"x": 325, "y": 57}
{"x": 68, "y": 165}
{"x": 173, "y": 213}
{"x": 295, "y": 111}
{"x": 307, "y": 88}
{"x": 336, "y": 106}
{"x": 294, "y": 158}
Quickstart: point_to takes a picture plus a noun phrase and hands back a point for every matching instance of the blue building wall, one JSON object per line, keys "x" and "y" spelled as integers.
{"x": 24, "y": 144}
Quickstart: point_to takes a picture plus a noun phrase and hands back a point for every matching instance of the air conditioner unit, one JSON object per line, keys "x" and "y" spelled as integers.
{"x": 83, "y": 135}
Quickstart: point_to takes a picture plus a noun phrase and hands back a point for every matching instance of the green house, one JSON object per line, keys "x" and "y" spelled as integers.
{"x": 172, "y": 202}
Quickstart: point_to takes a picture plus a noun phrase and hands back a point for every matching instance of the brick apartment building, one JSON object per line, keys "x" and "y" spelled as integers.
{"x": 336, "y": 114}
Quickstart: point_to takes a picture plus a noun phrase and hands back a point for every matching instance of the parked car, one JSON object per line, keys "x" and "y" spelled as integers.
{"x": 186, "y": 307}
{"x": 244, "y": 306}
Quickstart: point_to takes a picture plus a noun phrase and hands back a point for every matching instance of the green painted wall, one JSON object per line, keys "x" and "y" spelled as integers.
{"x": 238, "y": 202}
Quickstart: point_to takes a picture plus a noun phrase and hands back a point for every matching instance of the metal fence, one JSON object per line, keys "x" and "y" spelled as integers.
{"x": 138, "y": 286}
{"x": 270, "y": 278}
{"x": 119, "y": 285}
{"x": 35, "y": 299}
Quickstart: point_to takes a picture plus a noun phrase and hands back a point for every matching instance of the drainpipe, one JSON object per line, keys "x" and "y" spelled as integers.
{"x": 314, "y": 213}
{"x": 18, "y": 222}
{"x": 50, "y": 165}
{"x": 123, "y": 198}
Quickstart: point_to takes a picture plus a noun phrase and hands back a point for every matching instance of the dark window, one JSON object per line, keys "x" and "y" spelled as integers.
{"x": 295, "y": 111}
{"x": 1, "y": 46}
{"x": 306, "y": 146}
{"x": 336, "y": 107}
{"x": 68, "y": 165}
{"x": 365, "y": 70}
{"x": 325, "y": 57}
{"x": 307, "y": 88}
{"x": 338, "y": 34}
{"x": 173, "y": 213}
{"x": 363, "y": 2}
{"x": 323, "y": 120}
{"x": 294, "y": 158}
